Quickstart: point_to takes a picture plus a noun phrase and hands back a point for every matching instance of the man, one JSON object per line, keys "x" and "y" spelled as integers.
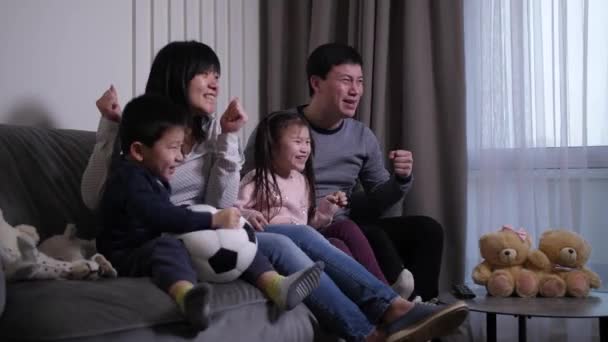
{"x": 348, "y": 153}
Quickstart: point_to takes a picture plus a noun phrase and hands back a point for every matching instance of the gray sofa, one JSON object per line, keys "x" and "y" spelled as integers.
{"x": 40, "y": 172}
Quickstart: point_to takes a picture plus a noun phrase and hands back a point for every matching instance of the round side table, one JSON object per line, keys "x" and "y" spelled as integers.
{"x": 594, "y": 306}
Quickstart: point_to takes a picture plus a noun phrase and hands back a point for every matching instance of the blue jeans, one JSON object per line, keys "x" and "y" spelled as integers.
{"x": 349, "y": 300}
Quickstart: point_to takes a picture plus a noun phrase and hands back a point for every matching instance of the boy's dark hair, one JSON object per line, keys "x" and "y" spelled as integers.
{"x": 268, "y": 135}
{"x": 146, "y": 118}
{"x": 326, "y": 56}
{"x": 174, "y": 66}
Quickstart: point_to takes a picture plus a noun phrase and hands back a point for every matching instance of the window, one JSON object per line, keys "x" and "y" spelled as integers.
{"x": 537, "y": 119}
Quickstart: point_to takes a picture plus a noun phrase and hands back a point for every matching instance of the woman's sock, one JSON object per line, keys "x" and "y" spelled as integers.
{"x": 288, "y": 292}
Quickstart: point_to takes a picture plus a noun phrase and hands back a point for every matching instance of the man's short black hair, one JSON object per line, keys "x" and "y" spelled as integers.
{"x": 147, "y": 117}
{"x": 326, "y": 56}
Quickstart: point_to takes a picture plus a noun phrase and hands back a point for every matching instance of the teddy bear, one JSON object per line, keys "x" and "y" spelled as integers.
{"x": 567, "y": 253}
{"x": 508, "y": 255}
{"x": 12, "y": 242}
{"x": 21, "y": 259}
{"x": 68, "y": 247}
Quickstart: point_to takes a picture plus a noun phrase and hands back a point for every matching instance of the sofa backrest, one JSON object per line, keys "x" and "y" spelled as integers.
{"x": 40, "y": 173}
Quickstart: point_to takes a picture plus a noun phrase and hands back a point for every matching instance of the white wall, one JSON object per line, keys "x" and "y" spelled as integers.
{"x": 58, "y": 56}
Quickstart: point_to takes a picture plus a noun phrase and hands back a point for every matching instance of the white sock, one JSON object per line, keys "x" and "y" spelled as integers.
{"x": 404, "y": 285}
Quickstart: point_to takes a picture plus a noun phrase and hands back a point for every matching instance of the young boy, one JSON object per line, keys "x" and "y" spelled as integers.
{"x": 136, "y": 211}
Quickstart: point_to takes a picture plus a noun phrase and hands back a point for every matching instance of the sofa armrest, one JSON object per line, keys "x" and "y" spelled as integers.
{"x": 2, "y": 290}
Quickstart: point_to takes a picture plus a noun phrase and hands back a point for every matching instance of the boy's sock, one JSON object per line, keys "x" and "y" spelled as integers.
{"x": 194, "y": 302}
{"x": 180, "y": 292}
{"x": 288, "y": 292}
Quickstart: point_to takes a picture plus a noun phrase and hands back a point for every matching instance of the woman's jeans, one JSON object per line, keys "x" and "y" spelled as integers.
{"x": 349, "y": 300}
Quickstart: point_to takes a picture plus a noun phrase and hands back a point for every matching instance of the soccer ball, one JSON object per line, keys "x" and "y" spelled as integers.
{"x": 220, "y": 255}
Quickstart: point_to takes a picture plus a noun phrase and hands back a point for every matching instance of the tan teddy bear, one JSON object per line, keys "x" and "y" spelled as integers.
{"x": 507, "y": 255}
{"x": 567, "y": 252}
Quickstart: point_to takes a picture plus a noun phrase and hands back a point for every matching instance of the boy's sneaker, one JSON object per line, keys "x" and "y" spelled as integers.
{"x": 404, "y": 285}
{"x": 425, "y": 322}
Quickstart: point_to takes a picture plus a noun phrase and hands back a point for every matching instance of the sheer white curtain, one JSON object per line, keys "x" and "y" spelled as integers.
{"x": 537, "y": 128}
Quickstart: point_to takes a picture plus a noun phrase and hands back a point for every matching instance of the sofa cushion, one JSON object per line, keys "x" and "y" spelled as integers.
{"x": 59, "y": 309}
{"x": 51, "y": 310}
{"x": 41, "y": 172}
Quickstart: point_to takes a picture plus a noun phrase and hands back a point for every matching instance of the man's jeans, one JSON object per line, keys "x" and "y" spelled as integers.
{"x": 349, "y": 300}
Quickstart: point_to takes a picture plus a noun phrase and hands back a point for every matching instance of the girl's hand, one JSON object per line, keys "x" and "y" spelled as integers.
{"x": 258, "y": 221}
{"x": 234, "y": 117}
{"x": 338, "y": 198}
{"x": 108, "y": 105}
{"x": 226, "y": 218}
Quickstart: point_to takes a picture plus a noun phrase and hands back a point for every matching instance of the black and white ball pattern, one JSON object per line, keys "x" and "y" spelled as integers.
{"x": 220, "y": 255}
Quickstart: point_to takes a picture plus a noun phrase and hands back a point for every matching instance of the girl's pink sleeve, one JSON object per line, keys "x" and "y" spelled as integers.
{"x": 244, "y": 201}
{"x": 324, "y": 214}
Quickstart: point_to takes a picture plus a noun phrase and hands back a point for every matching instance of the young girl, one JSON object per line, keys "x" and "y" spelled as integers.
{"x": 280, "y": 190}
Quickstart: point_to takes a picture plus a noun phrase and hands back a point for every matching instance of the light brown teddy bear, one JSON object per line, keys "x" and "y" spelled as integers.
{"x": 505, "y": 254}
{"x": 567, "y": 252}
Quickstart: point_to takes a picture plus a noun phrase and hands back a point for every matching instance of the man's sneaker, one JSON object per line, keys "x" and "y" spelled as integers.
{"x": 432, "y": 301}
{"x": 425, "y": 322}
{"x": 404, "y": 285}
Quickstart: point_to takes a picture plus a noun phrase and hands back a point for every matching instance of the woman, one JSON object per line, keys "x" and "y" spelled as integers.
{"x": 349, "y": 300}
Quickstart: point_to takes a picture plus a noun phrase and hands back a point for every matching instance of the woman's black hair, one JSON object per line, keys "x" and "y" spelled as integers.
{"x": 174, "y": 66}
{"x": 267, "y": 138}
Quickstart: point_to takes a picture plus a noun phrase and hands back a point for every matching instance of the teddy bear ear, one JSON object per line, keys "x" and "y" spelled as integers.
{"x": 547, "y": 233}
{"x": 482, "y": 239}
{"x": 485, "y": 237}
{"x": 586, "y": 245}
